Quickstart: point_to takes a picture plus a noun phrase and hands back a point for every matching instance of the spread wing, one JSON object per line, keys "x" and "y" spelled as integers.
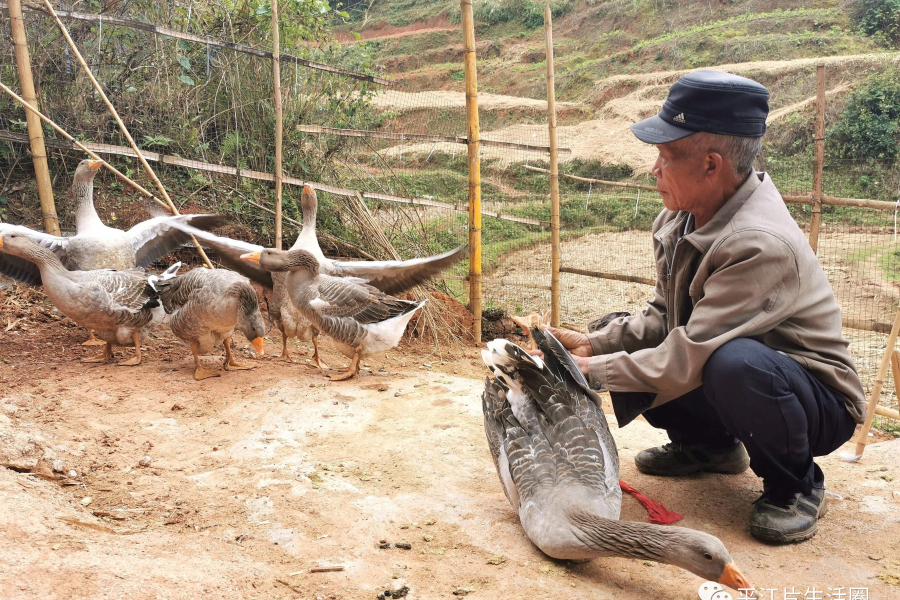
{"x": 397, "y": 276}
{"x": 353, "y": 298}
{"x": 156, "y": 237}
{"x": 21, "y": 269}
{"x": 229, "y": 251}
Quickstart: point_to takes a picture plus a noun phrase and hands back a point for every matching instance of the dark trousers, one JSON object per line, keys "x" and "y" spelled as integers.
{"x": 783, "y": 415}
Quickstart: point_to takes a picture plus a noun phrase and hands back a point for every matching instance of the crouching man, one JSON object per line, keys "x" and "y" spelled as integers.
{"x": 739, "y": 356}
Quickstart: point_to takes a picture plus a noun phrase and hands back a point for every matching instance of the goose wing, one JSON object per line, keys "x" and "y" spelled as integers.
{"x": 176, "y": 294}
{"x": 156, "y": 237}
{"x": 560, "y": 445}
{"x": 229, "y": 252}
{"x": 397, "y": 276}
{"x": 127, "y": 290}
{"x": 352, "y": 298}
{"x": 21, "y": 269}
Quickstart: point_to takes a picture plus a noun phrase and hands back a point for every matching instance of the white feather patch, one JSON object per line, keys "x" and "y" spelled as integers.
{"x": 318, "y": 303}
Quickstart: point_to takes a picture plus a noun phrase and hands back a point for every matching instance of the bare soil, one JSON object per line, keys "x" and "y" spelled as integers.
{"x": 258, "y": 476}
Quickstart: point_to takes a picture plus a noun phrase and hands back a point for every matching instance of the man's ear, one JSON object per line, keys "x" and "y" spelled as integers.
{"x": 713, "y": 164}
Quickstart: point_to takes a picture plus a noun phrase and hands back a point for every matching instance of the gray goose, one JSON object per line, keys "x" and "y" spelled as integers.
{"x": 121, "y": 306}
{"x": 559, "y": 467}
{"x": 206, "y": 307}
{"x": 96, "y": 246}
{"x": 391, "y": 277}
{"x": 359, "y": 317}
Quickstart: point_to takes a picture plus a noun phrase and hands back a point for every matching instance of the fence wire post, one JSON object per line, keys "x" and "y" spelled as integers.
{"x": 207, "y": 61}
{"x": 637, "y": 203}
{"x": 588, "y": 199}
{"x": 472, "y": 136}
{"x": 819, "y": 165}
{"x": 554, "y": 173}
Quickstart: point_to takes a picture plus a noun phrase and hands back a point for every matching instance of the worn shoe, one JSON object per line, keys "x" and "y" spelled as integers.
{"x": 673, "y": 460}
{"x": 787, "y": 519}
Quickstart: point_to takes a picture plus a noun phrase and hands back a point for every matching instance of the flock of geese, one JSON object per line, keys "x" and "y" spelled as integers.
{"x": 96, "y": 278}
{"x": 552, "y": 447}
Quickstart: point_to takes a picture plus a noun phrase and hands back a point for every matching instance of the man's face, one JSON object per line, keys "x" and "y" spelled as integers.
{"x": 681, "y": 172}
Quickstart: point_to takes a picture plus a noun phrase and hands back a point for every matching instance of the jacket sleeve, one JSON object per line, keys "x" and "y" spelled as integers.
{"x": 629, "y": 334}
{"x": 753, "y": 285}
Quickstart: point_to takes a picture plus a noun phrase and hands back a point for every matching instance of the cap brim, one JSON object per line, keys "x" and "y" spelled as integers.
{"x": 656, "y": 131}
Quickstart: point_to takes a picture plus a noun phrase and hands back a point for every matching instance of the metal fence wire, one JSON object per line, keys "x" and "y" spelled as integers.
{"x": 204, "y": 112}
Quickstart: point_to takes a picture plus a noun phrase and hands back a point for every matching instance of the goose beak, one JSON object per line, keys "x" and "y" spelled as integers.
{"x": 258, "y": 344}
{"x": 733, "y": 578}
{"x": 95, "y": 164}
{"x": 251, "y": 257}
{"x": 1, "y": 241}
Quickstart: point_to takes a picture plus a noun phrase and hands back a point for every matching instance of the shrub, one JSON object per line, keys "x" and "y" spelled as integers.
{"x": 879, "y": 19}
{"x": 870, "y": 124}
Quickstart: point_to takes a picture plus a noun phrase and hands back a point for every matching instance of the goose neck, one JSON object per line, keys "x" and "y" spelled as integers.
{"x": 86, "y": 216}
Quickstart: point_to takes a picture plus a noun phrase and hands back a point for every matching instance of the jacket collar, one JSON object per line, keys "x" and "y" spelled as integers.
{"x": 704, "y": 237}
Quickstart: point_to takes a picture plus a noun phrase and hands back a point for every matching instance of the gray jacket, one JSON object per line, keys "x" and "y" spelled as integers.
{"x": 756, "y": 277}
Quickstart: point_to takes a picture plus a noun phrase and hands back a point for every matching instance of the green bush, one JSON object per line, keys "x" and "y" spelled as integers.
{"x": 879, "y": 19}
{"x": 529, "y": 12}
{"x": 870, "y": 124}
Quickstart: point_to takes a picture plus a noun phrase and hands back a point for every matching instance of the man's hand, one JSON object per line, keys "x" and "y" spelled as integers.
{"x": 576, "y": 343}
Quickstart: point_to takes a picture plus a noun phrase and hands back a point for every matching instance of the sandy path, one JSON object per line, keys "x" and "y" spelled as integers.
{"x": 445, "y": 99}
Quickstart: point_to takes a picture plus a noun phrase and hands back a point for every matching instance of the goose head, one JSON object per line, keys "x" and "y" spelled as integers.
{"x": 86, "y": 170}
{"x": 19, "y": 244}
{"x": 250, "y": 321}
{"x": 705, "y": 555}
{"x": 284, "y": 260}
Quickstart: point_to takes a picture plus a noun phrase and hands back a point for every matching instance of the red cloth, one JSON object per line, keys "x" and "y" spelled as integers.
{"x": 659, "y": 514}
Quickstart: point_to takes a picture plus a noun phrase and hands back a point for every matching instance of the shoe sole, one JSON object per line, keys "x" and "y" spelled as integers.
{"x": 767, "y": 535}
{"x": 691, "y": 469}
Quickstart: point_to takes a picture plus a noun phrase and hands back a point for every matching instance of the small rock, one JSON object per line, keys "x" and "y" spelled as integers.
{"x": 496, "y": 560}
{"x": 461, "y": 591}
{"x": 144, "y": 462}
{"x": 73, "y": 473}
{"x": 427, "y": 537}
{"x": 86, "y": 500}
{"x": 403, "y": 545}
{"x": 382, "y": 388}
{"x": 397, "y": 394}
{"x": 429, "y": 522}
{"x": 58, "y": 466}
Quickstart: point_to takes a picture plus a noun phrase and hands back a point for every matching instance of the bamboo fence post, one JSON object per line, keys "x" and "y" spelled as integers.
{"x": 468, "y": 24}
{"x": 876, "y": 389}
{"x": 554, "y": 173}
{"x": 35, "y": 133}
{"x": 819, "y": 165}
{"x": 276, "y": 79}
{"x": 115, "y": 114}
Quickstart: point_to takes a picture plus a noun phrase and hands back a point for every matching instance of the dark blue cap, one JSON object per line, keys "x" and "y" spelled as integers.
{"x": 710, "y": 101}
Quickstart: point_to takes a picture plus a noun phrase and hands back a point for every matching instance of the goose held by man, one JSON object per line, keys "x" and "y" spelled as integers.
{"x": 559, "y": 467}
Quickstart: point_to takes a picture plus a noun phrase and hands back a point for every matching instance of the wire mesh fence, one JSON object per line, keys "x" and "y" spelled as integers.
{"x": 394, "y": 158}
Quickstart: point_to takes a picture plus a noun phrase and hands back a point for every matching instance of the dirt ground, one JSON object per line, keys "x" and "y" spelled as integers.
{"x": 256, "y": 477}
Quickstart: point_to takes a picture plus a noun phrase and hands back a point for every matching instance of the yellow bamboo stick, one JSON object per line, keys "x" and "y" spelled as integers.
{"x": 474, "y": 166}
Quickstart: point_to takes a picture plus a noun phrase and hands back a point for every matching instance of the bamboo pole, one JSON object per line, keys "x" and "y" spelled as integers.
{"x": 115, "y": 114}
{"x": 819, "y": 165}
{"x": 876, "y": 389}
{"x": 276, "y": 81}
{"x": 554, "y": 172}
{"x": 35, "y": 132}
{"x": 472, "y": 135}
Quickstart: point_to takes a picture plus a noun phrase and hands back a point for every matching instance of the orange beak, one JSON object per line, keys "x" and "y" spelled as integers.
{"x": 95, "y": 164}
{"x": 733, "y": 578}
{"x": 251, "y": 257}
{"x": 1, "y": 241}
{"x": 258, "y": 344}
